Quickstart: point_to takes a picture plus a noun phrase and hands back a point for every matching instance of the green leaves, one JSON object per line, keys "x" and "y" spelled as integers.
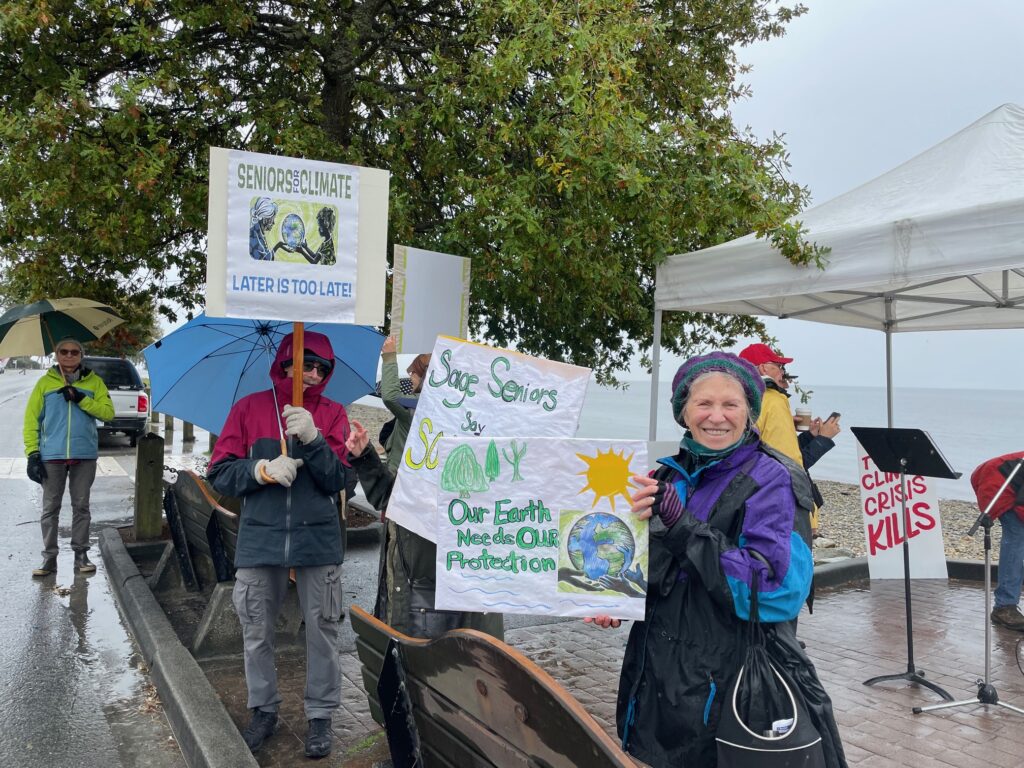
{"x": 567, "y": 148}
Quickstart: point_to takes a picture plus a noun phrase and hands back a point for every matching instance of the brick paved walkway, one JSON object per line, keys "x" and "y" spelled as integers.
{"x": 855, "y": 633}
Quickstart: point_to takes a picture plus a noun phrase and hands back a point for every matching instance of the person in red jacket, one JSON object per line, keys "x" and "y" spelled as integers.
{"x": 289, "y": 520}
{"x": 1008, "y": 509}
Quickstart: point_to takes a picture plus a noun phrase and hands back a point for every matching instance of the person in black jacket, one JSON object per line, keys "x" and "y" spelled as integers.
{"x": 726, "y": 512}
{"x": 814, "y": 443}
{"x": 418, "y": 617}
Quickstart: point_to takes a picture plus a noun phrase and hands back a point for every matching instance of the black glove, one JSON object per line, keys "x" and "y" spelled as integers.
{"x": 72, "y": 394}
{"x": 36, "y": 469}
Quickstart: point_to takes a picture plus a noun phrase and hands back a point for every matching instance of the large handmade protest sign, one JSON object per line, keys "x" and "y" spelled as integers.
{"x": 881, "y": 498}
{"x": 429, "y": 298}
{"x": 475, "y": 390}
{"x": 295, "y": 239}
{"x": 540, "y": 526}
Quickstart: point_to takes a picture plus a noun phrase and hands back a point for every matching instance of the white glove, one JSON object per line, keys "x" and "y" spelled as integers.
{"x": 299, "y": 423}
{"x": 281, "y": 470}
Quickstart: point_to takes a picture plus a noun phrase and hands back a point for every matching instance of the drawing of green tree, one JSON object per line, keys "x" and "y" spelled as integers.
{"x": 518, "y": 451}
{"x": 462, "y": 473}
{"x": 492, "y": 467}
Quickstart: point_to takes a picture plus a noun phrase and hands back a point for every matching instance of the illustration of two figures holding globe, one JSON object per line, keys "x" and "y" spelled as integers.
{"x": 291, "y": 233}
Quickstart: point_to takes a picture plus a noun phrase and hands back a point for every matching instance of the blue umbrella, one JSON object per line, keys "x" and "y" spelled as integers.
{"x": 198, "y": 371}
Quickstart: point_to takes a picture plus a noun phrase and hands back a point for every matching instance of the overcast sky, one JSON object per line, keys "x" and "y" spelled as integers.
{"x": 858, "y": 87}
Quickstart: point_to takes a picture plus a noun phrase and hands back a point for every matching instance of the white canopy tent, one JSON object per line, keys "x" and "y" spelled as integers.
{"x": 934, "y": 244}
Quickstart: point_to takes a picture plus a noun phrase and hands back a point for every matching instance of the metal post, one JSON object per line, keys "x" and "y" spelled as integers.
{"x": 652, "y": 429}
{"x": 888, "y": 357}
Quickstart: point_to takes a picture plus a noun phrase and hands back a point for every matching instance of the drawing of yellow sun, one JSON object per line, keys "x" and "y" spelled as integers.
{"x": 607, "y": 475}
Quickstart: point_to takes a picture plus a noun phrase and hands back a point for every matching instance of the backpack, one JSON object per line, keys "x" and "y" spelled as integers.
{"x": 386, "y": 430}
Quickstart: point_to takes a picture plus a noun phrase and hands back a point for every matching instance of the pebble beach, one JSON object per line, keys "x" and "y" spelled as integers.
{"x": 841, "y": 527}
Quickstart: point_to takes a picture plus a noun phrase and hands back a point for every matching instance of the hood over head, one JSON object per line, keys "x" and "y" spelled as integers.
{"x": 315, "y": 343}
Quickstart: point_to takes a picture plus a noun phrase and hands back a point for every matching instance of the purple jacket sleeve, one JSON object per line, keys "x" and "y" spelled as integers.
{"x": 726, "y": 567}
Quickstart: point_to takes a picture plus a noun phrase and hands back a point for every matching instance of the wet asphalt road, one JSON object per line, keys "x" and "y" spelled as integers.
{"x": 74, "y": 692}
{"x": 73, "y": 687}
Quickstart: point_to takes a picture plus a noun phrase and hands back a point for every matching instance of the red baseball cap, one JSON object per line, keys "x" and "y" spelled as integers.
{"x": 759, "y": 354}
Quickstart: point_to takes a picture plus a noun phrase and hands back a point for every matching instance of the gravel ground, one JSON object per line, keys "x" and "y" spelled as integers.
{"x": 841, "y": 519}
{"x": 841, "y": 522}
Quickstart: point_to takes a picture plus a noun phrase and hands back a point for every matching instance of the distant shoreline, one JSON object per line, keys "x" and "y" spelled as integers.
{"x": 841, "y": 517}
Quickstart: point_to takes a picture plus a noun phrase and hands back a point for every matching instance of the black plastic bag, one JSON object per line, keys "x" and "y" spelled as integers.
{"x": 764, "y": 721}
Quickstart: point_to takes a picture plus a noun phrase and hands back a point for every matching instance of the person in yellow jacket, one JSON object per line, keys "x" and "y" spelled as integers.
{"x": 776, "y": 420}
{"x": 62, "y": 445}
{"x": 775, "y": 424}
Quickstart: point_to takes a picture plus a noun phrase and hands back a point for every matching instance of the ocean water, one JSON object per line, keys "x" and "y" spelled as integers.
{"x": 968, "y": 426}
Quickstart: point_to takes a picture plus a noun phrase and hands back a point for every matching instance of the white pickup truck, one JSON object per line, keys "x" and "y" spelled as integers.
{"x": 131, "y": 402}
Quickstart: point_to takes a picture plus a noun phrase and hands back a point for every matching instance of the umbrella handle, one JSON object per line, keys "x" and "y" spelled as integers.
{"x": 46, "y": 327}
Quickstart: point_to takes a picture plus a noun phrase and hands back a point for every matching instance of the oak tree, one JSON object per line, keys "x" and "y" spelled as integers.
{"x": 566, "y": 147}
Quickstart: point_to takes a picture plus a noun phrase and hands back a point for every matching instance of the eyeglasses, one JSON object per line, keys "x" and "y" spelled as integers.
{"x": 69, "y": 352}
{"x": 322, "y": 369}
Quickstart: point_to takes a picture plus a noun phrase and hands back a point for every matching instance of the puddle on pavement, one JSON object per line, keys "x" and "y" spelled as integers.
{"x": 103, "y": 643}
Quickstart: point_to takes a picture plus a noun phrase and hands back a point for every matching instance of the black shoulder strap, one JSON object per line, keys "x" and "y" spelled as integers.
{"x": 803, "y": 493}
{"x": 800, "y": 479}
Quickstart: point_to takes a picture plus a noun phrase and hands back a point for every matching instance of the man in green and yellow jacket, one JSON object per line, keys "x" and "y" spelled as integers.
{"x": 62, "y": 444}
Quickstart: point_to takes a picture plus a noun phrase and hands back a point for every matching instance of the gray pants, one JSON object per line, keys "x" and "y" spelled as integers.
{"x": 81, "y": 476}
{"x": 257, "y": 595}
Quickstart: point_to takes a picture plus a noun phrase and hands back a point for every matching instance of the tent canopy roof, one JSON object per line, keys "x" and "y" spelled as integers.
{"x": 937, "y": 243}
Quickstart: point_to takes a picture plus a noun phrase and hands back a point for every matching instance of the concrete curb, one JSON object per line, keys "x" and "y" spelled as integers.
{"x": 856, "y": 568}
{"x": 205, "y": 732}
{"x": 840, "y": 572}
{"x": 368, "y": 534}
{"x": 971, "y": 570}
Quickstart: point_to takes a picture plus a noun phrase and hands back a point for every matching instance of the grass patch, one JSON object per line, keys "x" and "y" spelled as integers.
{"x": 370, "y": 741}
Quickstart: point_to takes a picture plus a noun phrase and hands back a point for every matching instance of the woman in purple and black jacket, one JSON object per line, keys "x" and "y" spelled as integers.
{"x": 723, "y": 511}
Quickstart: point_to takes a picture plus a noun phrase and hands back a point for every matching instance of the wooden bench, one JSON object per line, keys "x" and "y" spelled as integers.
{"x": 467, "y": 700}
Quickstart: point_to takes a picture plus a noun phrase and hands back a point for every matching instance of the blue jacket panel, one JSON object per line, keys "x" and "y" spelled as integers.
{"x": 60, "y": 429}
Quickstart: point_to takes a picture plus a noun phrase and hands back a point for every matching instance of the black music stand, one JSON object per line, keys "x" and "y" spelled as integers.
{"x": 906, "y": 451}
{"x": 987, "y": 693}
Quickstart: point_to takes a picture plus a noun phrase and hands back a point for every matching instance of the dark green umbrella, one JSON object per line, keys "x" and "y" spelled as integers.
{"x": 34, "y": 329}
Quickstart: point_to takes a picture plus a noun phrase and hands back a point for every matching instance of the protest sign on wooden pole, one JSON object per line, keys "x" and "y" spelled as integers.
{"x": 429, "y": 298}
{"x": 294, "y": 239}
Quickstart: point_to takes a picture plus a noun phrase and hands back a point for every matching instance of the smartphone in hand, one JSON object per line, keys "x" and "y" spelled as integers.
{"x": 833, "y": 416}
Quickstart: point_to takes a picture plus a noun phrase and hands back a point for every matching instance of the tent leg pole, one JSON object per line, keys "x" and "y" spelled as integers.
{"x": 652, "y": 429}
{"x": 888, "y": 358}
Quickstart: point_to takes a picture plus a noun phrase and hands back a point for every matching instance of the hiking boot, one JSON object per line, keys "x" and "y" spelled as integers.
{"x": 83, "y": 564}
{"x": 48, "y": 568}
{"x": 1009, "y": 616}
{"x": 318, "y": 738}
{"x": 260, "y": 728}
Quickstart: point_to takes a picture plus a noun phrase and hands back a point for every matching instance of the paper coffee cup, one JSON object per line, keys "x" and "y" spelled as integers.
{"x": 803, "y": 419}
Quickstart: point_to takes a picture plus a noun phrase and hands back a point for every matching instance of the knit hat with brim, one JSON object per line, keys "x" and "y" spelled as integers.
{"x": 717, "y": 362}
